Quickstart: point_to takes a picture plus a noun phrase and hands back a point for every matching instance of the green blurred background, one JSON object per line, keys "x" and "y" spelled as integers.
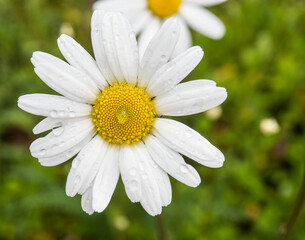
{"x": 260, "y": 61}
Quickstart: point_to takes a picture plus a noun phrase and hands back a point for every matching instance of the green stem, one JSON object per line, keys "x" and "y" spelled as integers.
{"x": 161, "y": 227}
{"x": 295, "y": 213}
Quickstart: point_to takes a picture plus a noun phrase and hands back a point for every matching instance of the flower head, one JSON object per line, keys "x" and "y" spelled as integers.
{"x": 146, "y": 17}
{"x": 110, "y": 114}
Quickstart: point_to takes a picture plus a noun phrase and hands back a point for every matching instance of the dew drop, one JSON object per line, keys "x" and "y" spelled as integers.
{"x": 163, "y": 58}
{"x": 43, "y": 152}
{"x": 133, "y": 172}
{"x": 70, "y": 153}
{"x": 183, "y": 168}
{"x": 53, "y": 114}
{"x": 75, "y": 163}
{"x": 58, "y": 131}
{"x": 77, "y": 179}
{"x": 188, "y": 133}
{"x": 72, "y": 114}
{"x": 133, "y": 185}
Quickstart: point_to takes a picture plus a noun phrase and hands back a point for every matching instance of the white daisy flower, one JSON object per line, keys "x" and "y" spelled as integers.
{"x": 146, "y": 17}
{"x": 111, "y": 111}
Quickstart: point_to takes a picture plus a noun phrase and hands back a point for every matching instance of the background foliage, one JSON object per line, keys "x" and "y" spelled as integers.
{"x": 261, "y": 63}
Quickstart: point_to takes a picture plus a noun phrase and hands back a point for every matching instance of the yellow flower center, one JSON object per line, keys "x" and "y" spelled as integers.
{"x": 123, "y": 114}
{"x": 164, "y": 8}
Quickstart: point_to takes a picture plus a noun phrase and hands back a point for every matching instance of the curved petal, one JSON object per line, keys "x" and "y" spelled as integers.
{"x": 65, "y": 155}
{"x": 106, "y": 179}
{"x": 56, "y": 124}
{"x": 98, "y": 46}
{"x": 63, "y": 78}
{"x": 163, "y": 183}
{"x": 87, "y": 201}
{"x": 85, "y": 166}
{"x": 59, "y": 142}
{"x": 172, "y": 162}
{"x": 187, "y": 141}
{"x": 159, "y": 50}
{"x": 126, "y": 47}
{"x": 130, "y": 172}
{"x": 185, "y": 39}
{"x": 203, "y": 21}
{"x": 190, "y": 98}
{"x": 147, "y": 34}
{"x": 78, "y": 57}
{"x": 53, "y": 106}
{"x": 206, "y": 3}
{"x": 119, "y": 5}
{"x": 168, "y": 76}
{"x": 150, "y": 198}
{"x": 108, "y": 39}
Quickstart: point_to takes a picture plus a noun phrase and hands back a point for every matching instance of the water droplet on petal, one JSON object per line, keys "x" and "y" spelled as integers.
{"x": 183, "y": 168}
{"x": 77, "y": 179}
{"x": 188, "y": 133}
{"x": 163, "y": 58}
{"x": 133, "y": 172}
{"x": 43, "y": 152}
{"x": 72, "y": 114}
{"x": 58, "y": 131}
{"x": 75, "y": 163}
{"x": 133, "y": 185}
{"x": 53, "y": 114}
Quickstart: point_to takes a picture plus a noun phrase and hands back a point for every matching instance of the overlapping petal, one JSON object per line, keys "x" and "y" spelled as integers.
{"x": 190, "y": 98}
{"x": 188, "y": 142}
{"x": 159, "y": 50}
{"x": 170, "y": 74}
{"x": 53, "y": 106}
{"x": 64, "y": 78}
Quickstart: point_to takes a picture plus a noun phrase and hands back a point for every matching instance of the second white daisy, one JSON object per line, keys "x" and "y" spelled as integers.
{"x": 147, "y": 16}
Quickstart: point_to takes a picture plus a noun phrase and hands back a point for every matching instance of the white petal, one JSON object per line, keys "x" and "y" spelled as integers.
{"x": 203, "y": 21}
{"x": 119, "y": 5}
{"x": 190, "y": 98}
{"x": 98, "y": 46}
{"x": 53, "y": 106}
{"x": 163, "y": 183}
{"x": 63, "y": 78}
{"x": 140, "y": 20}
{"x": 106, "y": 179}
{"x": 59, "y": 142}
{"x": 78, "y": 57}
{"x": 55, "y": 124}
{"x": 159, "y": 50}
{"x": 147, "y": 34}
{"x": 125, "y": 43}
{"x": 172, "y": 162}
{"x": 185, "y": 39}
{"x": 108, "y": 39}
{"x": 130, "y": 172}
{"x": 150, "y": 199}
{"x": 87, "y": 201}
{"x": 190, "y": 143}
{"x": 206, "y": 3}
{"x": 66, "y": 155}
{"x": 85, "y": 166}
{"x": 168, "y": 76}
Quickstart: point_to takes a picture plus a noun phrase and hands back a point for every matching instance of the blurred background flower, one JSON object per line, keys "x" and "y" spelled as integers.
{"x": 147, "y": 16}
{"x": 260, "y": 61}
